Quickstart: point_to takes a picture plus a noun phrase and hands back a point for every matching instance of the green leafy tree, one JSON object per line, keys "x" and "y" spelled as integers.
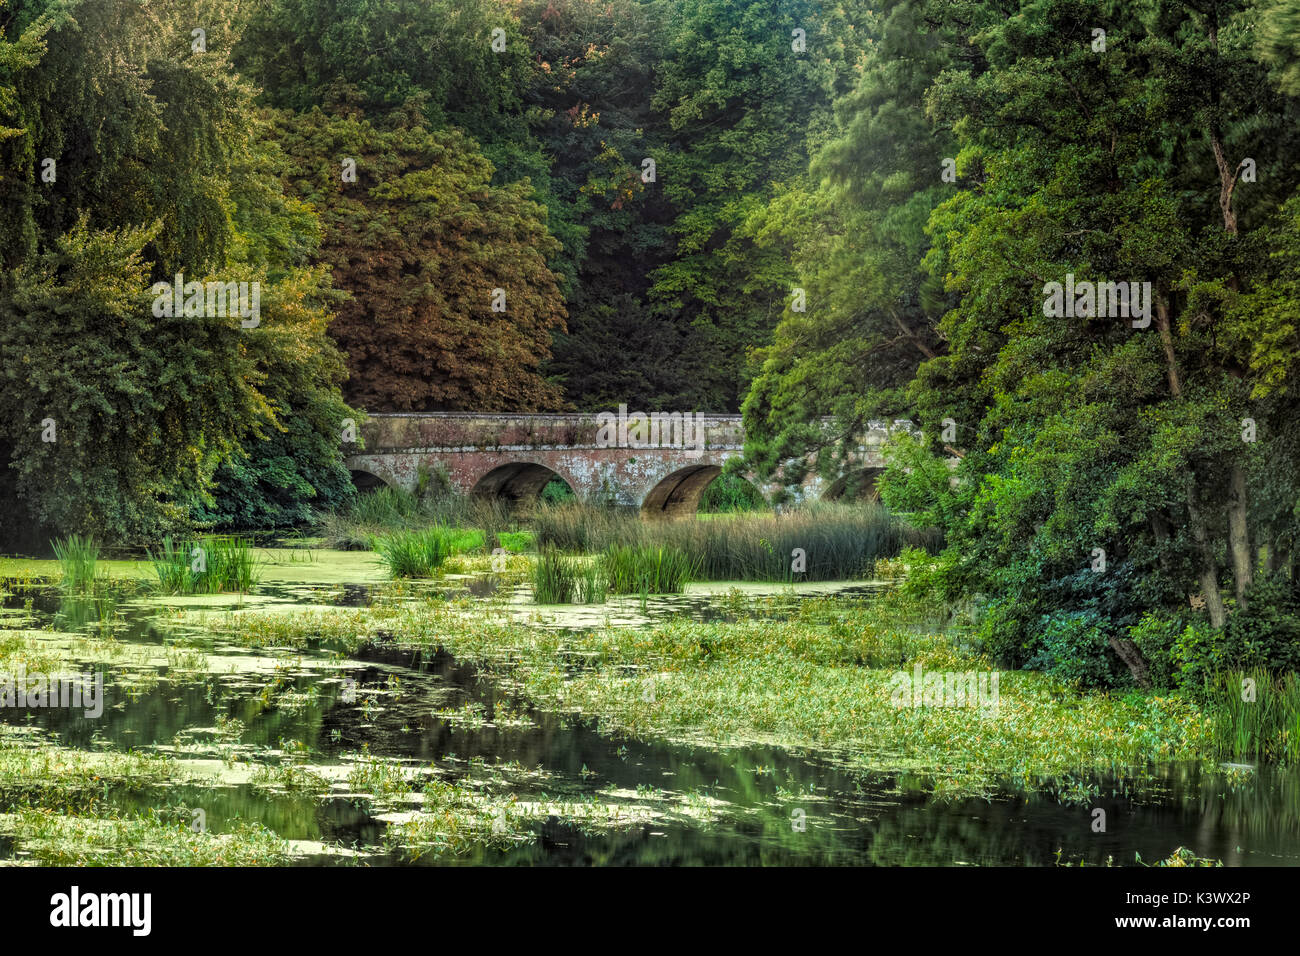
{"x": 156, "y": 167}
{"x": 115, "y": 417}
{"x": 857, "y": 237}
{"x": 744, "y": 111}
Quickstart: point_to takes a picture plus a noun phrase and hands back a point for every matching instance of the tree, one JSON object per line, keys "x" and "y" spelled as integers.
{"x": 746, "y": 99}
{"x": 1106, "y": 470}
{"x": 129, "y": 156}
{"x": 115, "y": 417}
{"x": 452, "y": 303}
{"x": 856, "y": 234}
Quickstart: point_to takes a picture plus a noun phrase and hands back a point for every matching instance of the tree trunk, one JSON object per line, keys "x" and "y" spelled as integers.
{"x": 1132, "y": 657}
{"x": 1227, "y": 182}
{"x": 1279, "y": 556}
{"x": 1239, "y": 534}
{"x": 1238, "y": 516}
{"x": 1207, "y": 570}
{"x": 1160, "y": 531}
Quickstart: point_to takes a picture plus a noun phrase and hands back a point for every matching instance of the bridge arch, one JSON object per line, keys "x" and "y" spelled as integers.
{"x": 678, "y": 493}
{"x": 366, "y": 481}
{"x": 860, "y": 485}
{"x": 517, "y": 481}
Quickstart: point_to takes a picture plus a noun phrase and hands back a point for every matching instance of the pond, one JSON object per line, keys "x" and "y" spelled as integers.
{"x": 294, "y": 740}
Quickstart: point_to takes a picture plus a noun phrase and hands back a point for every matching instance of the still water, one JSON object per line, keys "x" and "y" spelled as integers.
{"x": 781, "y": 807}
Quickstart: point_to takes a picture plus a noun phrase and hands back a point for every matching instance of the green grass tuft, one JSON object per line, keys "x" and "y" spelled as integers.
{"x": 78, "y": 557}
{"x": 417, "y": 554}
{"x": 210, "y": 565}
{"x": 568, "y": 579}
{"x": 648, "y": 569}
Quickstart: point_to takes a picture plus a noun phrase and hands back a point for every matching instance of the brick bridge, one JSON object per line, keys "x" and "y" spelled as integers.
{"x": 513, "y": 456}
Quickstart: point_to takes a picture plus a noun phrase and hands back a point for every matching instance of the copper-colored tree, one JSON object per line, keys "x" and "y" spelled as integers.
{"x": 421, "y": 240}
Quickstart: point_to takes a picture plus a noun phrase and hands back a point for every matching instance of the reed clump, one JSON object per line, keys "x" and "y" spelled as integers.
{"x": 213, "y": 564}
{"x": 817, "y": 543}
{"x": 559, "y": 578}
{"x": 648, "y": 569}
{"x": 1255, "y": 714}
{"x": 78, "y": 558}
{"x": 419, "y": 553}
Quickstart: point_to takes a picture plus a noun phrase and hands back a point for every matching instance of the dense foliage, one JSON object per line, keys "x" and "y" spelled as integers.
{"x": 653, "y": 133}
{"x": 823, "y": 213}
{"x": 1109, "y": 465}
{"x": 128, "y": 156}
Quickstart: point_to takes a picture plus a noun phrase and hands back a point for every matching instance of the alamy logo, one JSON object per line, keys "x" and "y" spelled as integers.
{"x": 103, "y": 909}
{"x": 210, "y": 300}
{"x": 32, "y": 690}
{"x": 659, "y": 430}
{"x": 1110, "y": 300}
{"x": 944, "y": 689}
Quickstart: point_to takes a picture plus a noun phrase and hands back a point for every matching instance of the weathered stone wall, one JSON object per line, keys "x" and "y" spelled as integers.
{"x": 467, "y": 431}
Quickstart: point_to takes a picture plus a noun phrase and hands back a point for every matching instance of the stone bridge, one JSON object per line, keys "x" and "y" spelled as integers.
{"x": 662, "y": 469}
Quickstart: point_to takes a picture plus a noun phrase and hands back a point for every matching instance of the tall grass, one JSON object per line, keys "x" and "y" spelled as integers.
{"x": 1267, "y": 726}
{"x": 416, "y": 554}
{"x": 78, "y": 557}
{"x": 208, "y": 565}
{"x": 570, "y": 526}
{"x": 389, "y": 510}
{"x": 387, "y": 507}
{"x": 838, "y": 542}
{"x": 647, "y": 569}
{"x": 560, "y": 578}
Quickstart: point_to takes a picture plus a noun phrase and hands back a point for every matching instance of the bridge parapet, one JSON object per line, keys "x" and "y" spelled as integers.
{"x": 466, "y": 431}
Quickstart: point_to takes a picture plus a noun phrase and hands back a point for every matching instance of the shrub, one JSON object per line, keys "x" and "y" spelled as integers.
{"x": 1155, "y": 636}
{"x": 556, "y": 491}
{"x": 1267, "y": 633}
{"x": 730, "y": 493}
{"x": 1008, "y": 631}
{"x": 1074, "y": 648}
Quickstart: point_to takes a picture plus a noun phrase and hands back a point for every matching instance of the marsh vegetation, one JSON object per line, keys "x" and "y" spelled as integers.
{"x": 433, "y": 701}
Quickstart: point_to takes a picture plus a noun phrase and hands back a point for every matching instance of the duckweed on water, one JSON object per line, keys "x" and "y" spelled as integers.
{"x": 61, "y": 839}
{"x": 822, "y": 680}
